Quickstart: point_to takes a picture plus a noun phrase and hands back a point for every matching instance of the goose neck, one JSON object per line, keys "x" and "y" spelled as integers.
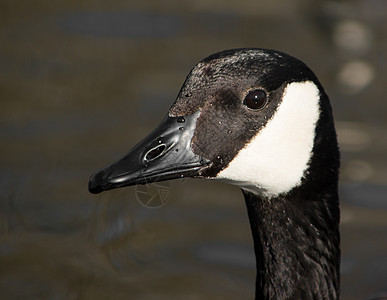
{"x": 296, "y": 245}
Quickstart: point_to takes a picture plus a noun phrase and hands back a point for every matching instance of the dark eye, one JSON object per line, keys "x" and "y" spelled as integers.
{"x": 255, "y": 99}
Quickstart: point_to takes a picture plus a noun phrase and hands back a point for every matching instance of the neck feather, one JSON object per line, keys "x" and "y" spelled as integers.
{"x": 296, "y": 241}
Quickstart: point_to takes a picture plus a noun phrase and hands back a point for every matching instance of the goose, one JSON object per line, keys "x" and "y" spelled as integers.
{"x": 261, "y": 120}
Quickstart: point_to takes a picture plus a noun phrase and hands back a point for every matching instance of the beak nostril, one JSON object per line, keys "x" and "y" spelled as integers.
{"x": 155, "y": 152}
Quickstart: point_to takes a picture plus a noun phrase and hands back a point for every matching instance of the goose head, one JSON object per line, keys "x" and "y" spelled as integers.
{"x": 245, "y": 116}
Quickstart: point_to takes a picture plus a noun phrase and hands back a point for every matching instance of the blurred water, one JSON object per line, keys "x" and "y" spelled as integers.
{"x": 80, "y": 83}
{"x": 126, "y": 24}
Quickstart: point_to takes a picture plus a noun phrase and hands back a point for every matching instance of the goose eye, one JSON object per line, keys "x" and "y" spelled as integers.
{"x": 255, "y": 99}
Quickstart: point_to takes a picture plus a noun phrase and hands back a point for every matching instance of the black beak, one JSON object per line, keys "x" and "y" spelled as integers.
{"x": 163, "y": 155}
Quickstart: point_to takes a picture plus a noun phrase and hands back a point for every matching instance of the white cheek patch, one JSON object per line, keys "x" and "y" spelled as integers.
{"x": 275, "y": 160}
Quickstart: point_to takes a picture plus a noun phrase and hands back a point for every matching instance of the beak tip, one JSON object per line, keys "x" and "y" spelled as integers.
{"x": 96, "y": 183}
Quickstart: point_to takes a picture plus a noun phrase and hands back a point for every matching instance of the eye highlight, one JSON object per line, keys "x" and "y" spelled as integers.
{"x": 255, "y": 99}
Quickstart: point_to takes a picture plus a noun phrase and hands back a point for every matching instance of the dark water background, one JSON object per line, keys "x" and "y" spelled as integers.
{"x": 82, "y": 81}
